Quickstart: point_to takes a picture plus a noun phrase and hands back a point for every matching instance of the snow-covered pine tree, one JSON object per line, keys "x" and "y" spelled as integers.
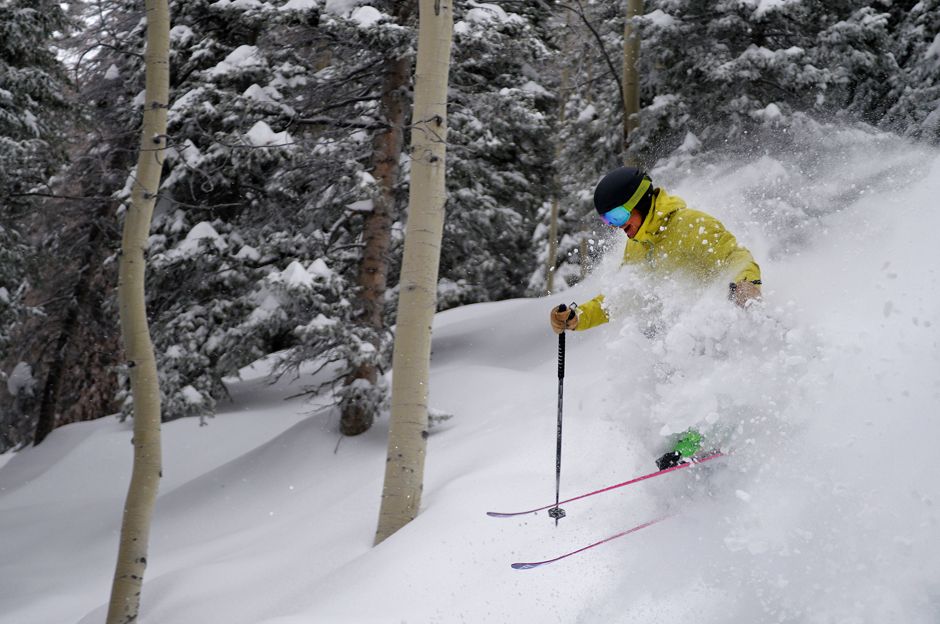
{"x": 500, "y": 165}
{"x": 709, "y": 72}
{"x": 357, "y": 108}
{"x": 203, "y": 287}
{"x": 12, "y": 282}
{"x": 255, "y": 241}
{"x": 362, "y": 394}
{"x": 497, "y": 171}
{"x": 857, "y": 50}
{"x": 32, "y": 97}
{"x": 33, "y": 112}
{"x": 17, "y": 382}
{"x": 915, "y": 105}
{"x": 734, "y": 75}
{"x": 229, "y": 276}
{"x": 74, "y": 348}
{"x": 588, "y": 131}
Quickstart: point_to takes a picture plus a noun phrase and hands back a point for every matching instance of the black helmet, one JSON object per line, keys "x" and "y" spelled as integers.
{"x": 624, "y": 186}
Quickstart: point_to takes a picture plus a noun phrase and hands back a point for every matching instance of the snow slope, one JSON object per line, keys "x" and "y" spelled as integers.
{"x": 827, "y": 394}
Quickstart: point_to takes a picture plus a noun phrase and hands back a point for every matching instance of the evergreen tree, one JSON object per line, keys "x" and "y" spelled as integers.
{"x": 500, "y": 168}
{"x": 915, "y": 106}
{"x": 588, "y": 132}
{"x": 33, "y": 111}
{"x": 735, "y": 75}
{"x": 224, "y": 231}
{"x": 32, "y": 97}
{"x": 32, "y": 85}
{"x": 272, "y": 188}
{"x": 296, "y": 202}
{"x": 857, "y": 50}
{"x": 711, "y": 70}
{"x": 12, "y": 283}
{"x": 254, "y": 242}
{"x": 362, "y": 390}
{"x": 75, "y": 347}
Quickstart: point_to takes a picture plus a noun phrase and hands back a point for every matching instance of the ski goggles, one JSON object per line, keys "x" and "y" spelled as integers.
{"x": 618, "y": 216}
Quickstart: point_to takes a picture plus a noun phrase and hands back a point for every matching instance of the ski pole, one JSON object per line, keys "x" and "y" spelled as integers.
{"x": 557, "y": 512}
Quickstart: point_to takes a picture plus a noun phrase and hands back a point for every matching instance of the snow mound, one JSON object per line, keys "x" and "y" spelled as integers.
{"x": 238, "y": 60}
{"x": 261, "y": 135}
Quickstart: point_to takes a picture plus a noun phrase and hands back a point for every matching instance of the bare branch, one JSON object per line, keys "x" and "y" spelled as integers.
{"x": 600, "y": 44}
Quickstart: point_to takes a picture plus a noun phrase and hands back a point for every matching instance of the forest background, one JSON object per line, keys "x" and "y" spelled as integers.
{"x": 286, "y": 131}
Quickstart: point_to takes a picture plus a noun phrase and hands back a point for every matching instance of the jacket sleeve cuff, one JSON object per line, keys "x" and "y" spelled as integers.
{"x": 751, "y": 273}
{"x": 592, "y": 313}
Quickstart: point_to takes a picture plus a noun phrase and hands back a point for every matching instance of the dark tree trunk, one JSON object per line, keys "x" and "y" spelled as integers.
{"x": 79, "y": 300}
{"x": 373, "y": 270}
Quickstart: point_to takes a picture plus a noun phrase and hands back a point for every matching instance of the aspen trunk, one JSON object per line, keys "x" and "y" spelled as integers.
{"x": 552, "y": 262}
{"x": 585, "y": 265}
{"x": 407, "y": 440}
{"x": 377, "y": 235}
{"x": 145, "y": 478}
{"x": 631, "y": 82}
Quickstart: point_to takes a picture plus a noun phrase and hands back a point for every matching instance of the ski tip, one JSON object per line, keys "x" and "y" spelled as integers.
{"x": 715, "y": 454}
{"x": 524, "y": 566}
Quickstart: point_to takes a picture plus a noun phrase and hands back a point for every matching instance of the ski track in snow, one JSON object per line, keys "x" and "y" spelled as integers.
{"x": 826, "y": 512}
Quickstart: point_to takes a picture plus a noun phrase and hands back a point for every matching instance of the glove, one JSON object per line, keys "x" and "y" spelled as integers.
{"x": 563, "y": 318}
{"x": 744, "y": 292}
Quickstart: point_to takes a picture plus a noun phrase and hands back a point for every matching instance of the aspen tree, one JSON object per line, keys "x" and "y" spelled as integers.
{"x": 631, "y": 81}
{"x": 407, "y": 440}
{"x": 145, "y": 478}
{"x": 563, "y": 94}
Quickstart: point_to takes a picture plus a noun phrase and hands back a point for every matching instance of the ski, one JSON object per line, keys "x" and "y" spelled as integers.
{"x": 694, "y": 462}
{"x": 534, "y": 564}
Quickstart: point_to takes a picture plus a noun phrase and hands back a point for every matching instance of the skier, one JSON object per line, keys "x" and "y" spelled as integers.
{"x": 667, "y": 238}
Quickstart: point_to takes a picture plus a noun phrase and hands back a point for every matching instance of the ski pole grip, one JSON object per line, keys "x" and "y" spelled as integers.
{"x": 561, "y": 341}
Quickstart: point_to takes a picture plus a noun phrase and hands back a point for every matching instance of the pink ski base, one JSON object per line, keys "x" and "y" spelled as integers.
{"x": 702, "y": 460}
{"x": 535, "y": 564}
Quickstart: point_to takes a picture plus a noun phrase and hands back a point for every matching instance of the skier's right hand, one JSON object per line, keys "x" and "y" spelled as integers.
{"x": 744, "y": 293}
{"x": 563, "y": 318}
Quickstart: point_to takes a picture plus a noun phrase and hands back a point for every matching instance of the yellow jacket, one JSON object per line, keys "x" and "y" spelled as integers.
{"x": 675, "y": 239}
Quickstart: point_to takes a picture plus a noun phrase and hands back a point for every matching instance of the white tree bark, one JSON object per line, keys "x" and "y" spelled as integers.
{"x": 563, "y": 95}
{"x": 631, "y": 82}
{"x": 404, "y": 469}
{"x": 145, "y": 478}
{"x": 552, "y": 262}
